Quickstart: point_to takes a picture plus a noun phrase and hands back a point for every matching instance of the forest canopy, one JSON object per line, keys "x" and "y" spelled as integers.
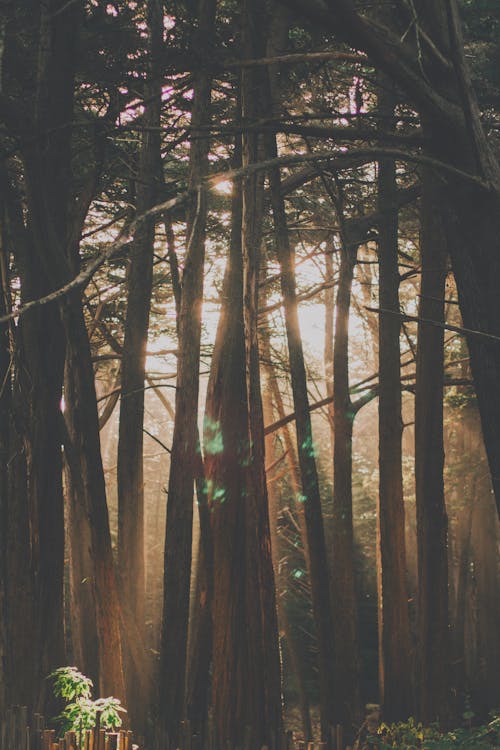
{"x": 249, "y": 362}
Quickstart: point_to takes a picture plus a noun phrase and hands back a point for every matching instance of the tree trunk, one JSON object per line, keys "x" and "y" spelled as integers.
{"x": 84, "y": 458}
{"x": 433, "y": 655}
{"x": 183, "y": 464}
{"x": 245, "y": 674}
{"x": 140, "y": 277}
{"x": 82, "y": 606}
{"x": 484, "y": 678}
{"x": 347, "y": 689}
{"x": 329, "y": 303}
{"x": 5, "y": 407}
{"x": 40, "y": 254}
{"x": 18, "y": 581}
{"x": 310, "y": 497}
{"x": 395, "y": 663}
{"x": 285, "y": 625}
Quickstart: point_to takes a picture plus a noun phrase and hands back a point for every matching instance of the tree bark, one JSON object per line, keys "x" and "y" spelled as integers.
{"x": 82, "y": 607}
{"x": 347, "y": 689}
{"x": 395, "y": 663}
{"x": 84, "y": 458}
{"x": 433, "y": 645}
{"x": 484, "y": 682}
{"x": 310, "y": 493}
{"x": 246, "y": 673}
{"x": 274, "y": 502}
{"x": 140, "y": 277}
{"x": 183, "y": 465}
{"x": 5, "y": 407}
{"x": 47, "y": 177}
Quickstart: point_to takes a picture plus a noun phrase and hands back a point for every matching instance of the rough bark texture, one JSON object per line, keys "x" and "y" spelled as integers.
{"x": 84, "y": 456}
{"x": 18, "y": 578}
{"x": 246, "y": 672}
{"x": 484, "y": 671}
{"x": 82, "y": 608}
{"x": 395, "y": 670}
{"x": 185, "y": 445}
{"x": 140, "y": 276}
{"x": 47, "y": 164}
{"x": 433, "y": 647}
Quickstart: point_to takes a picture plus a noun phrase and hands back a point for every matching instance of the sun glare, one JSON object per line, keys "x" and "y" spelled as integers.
{"x": 224, "y": 187}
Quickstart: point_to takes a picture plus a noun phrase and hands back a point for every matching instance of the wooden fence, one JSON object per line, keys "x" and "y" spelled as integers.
{"x": 18, "y": 733}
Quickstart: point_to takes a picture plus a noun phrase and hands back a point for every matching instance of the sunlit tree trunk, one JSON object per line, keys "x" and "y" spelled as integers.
{"x": 347, "y": 689}
{"x": 395, "y": 662}
{"x": 285, "y": 625}
{"x": 246, "y": 671}
{"x": 433, "y": 645}
{"x": 130, "y": 474}
{"x": 185, "y": 440}
{"x": 310, "y": 493}
{"x": 85, "y": 462}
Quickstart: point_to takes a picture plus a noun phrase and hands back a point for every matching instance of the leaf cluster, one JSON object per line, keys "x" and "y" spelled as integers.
{"x": 412, "y": 735}
{"x": 82, "y": 712}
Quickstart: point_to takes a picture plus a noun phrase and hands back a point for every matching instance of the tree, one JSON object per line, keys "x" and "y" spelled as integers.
{"x": 183, "y": 465}
{"x": 395, "y": 670}
{"x": 139, "y": 288}
{"x": 310, "y": 493}
{"x": 435, "y": 77}
{"x": 433, "y": 642}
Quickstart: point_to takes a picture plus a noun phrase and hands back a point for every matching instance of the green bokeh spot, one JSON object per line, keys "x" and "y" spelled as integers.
{"x": 212, "y": 437}
{"x": 307, "y": 447}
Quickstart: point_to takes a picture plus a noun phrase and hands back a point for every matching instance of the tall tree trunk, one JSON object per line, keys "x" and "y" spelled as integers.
{"x": 246, "y": 673}
{"x": 183, "y": 464}
{"x": 485, "y": 689}
{"x": 130, "y": 474}
{"x": 85, "y": 462}
{"x": 395, "y": 661}
{"x": 329, "y": 303}
{"x": 463, "y": 535}
{"x": 274, "y": 501}
{"x": 433, "y": 647}
{"x": 47, "y": 163}
{"x": 18, "y": 580}
{"x": 347, "y": 688}
{"x": 310, "y": 496}
{"x": 198, "y": 692}
{"x": 82, "y": 606}
{"x": 5, "y": 407}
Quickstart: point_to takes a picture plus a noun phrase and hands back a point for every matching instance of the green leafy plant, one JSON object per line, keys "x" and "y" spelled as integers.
{"x": 81, "y": 711}
{"x": 411, "y": 735}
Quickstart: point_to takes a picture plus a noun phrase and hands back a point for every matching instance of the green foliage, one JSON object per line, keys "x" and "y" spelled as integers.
{"x": 70, "y": 684}
{"x": 411, "y": 735}
{"x": 82, "y": 712}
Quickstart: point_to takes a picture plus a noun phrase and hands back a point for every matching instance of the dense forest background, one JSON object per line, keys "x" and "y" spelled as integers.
{"x": 250, "y": 360}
